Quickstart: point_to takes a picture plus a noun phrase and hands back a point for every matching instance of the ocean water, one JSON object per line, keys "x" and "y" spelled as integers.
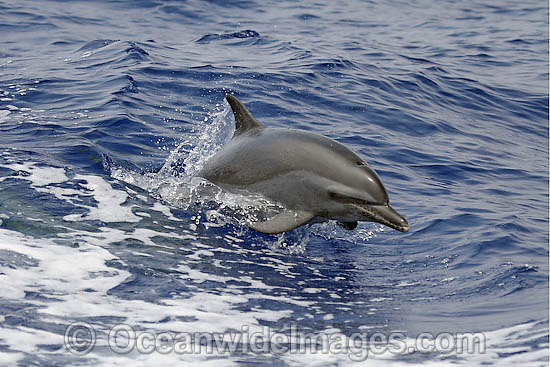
{"x": 107, "y": 108}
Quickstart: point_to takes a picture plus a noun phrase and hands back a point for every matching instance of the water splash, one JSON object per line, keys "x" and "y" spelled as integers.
{"x": 293, "y": 242}
{"x": 175, "y": 182}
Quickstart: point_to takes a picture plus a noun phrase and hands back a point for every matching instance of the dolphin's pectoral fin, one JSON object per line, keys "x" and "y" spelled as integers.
{"x": 350, "y": 226}
{"x": 282, "y": 222}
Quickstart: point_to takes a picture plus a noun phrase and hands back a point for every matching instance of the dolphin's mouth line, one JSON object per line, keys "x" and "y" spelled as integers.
{"x": 373, "y": 214}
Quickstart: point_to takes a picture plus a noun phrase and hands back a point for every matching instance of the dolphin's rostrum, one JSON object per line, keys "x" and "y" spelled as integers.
{"x": 313, "y": 177}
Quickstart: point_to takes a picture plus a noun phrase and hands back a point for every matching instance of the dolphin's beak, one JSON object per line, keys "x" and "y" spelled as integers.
{"x": 387, "y": 215}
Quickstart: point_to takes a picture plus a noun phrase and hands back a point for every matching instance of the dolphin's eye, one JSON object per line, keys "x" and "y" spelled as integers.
{"x": 361, "y": 163}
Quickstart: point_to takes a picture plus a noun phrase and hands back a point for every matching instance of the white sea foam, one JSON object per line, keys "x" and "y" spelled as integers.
{"x": 165, "y": 210}
{"x": 37, "y": 175}
{"x": 109, "y": 202}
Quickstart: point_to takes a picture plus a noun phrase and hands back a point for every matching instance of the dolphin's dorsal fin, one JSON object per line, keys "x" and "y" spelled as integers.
{"x": 244, "y": 120}
{"x": 284, "y": 221}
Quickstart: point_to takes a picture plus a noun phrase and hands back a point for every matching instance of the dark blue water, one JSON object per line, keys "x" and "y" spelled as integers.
{"x": 108, "y": 107}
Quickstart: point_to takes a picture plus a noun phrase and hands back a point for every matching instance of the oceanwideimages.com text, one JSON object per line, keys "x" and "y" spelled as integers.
{"x": 80, "y": 339}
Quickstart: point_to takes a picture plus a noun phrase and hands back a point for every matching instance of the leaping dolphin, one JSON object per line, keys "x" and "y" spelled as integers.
{"x": 313, "y": 177}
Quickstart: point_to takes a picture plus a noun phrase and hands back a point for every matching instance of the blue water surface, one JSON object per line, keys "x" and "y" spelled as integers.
{"x": 108, "y": 107}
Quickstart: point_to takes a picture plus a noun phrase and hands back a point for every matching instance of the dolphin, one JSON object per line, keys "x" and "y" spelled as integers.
{"x": 314, "y": 178}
